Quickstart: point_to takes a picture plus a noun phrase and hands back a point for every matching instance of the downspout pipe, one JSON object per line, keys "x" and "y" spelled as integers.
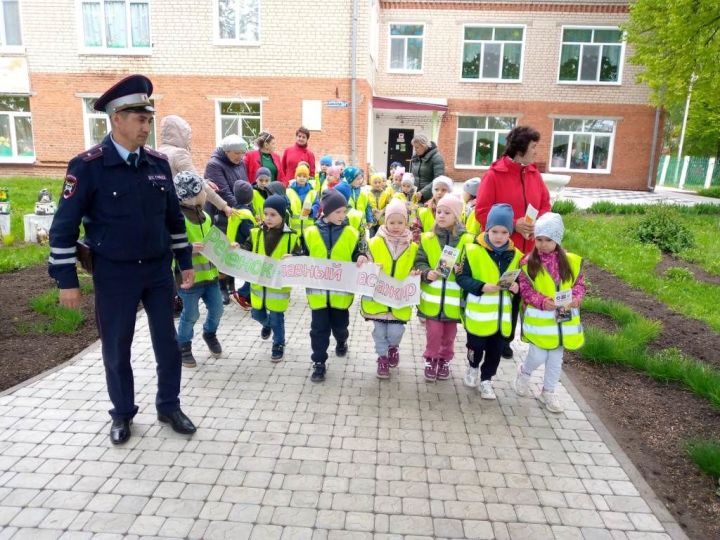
{"x": 653, "y": 152}
{"x": 353, "y": 82}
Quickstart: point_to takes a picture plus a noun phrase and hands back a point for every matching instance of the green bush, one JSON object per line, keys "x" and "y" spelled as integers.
{"x": 678, "y": 273}
{"x": 713, "y": 192}
{"x": 662, "y": 226}
{"x": 564, "y": 207}
{"x": 706, "y": 455}
{"x": 607, "y": 207}
{"x": 701, "y": 209}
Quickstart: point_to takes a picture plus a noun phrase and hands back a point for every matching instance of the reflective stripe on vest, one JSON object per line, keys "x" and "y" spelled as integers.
{"x": 297, "y": 222}
{"x": 489, "y": 312}
{"x": 539, "y": 326}
{"x": 203, "y": 268}
{"x": 266, "y": 297}
{"x": 342, "y": 250}
{"x": 441, "y": 294}
{"x": 427, "y": 219}
{"x": 234, "y": 222}
{"x": 399, "y": 268}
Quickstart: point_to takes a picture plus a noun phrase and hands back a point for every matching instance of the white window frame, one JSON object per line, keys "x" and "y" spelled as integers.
{"x": 115, "y": 51}
{"x": 218, "y": 117}
{"x": 597, "y": 81}
{"x": 405, "y": 39}
{"x": 14, "y": 158}
{"x": 593, "y": 134}
{"x": 497, "y": 132}
{"x": 87, "y": 116}
{"x": 3, "y": 38}
{"x": 481, "y": 79}
{"x": 217, "y": 40}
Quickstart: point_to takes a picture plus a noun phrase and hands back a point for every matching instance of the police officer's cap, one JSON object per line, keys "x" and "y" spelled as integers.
{"x": 130, "y": 94}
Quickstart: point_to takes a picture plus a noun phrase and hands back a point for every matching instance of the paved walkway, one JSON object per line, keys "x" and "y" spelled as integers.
{"x": 276, "y": 456}
{"x": 584, "y": 197}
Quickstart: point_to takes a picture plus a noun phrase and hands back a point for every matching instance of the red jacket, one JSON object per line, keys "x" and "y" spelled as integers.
{"x": 252, "y": 164}
{"x": 295, "y": 154}
{"x": 514, "y": 184}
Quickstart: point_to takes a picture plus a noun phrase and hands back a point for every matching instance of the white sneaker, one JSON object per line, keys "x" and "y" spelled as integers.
{"x": 471, "y": 377}
{"x": 522, "y": 383}
{"x": 486, "y": 390}
{"x": 551, "y": 401}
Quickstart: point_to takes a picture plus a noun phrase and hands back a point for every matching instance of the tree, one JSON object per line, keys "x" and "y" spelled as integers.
{"x": 672, "y": 41}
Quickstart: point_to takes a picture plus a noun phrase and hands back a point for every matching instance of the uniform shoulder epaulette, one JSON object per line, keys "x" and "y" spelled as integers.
{"x": 91, "y": 153}
{"x": 156, "y": 154}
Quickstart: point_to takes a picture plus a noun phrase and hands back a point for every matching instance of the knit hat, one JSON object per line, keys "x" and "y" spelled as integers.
{"x": 551, "y": 226}
{"x": 500, "y": 214}
{"x": 379, "y": 175}
{"x": 326, "y": 160}
{"x": 334, "y": 171}
{"x": 396, "y": 206}
{"x": 339, "y": 162}
{"x": 277, "y": 203}
{"x": 471, "y": 186}
{"x": 302, "y": 168}
{"x": 331, "y": 200}
{"x": 262, "y": 171}
{"x": 395, "y": 165}
{"x": 399, "y": 172}
{"x": 234, "y": 143}
{"x": 243, "y": 192}
{"x": 350, "y": 173}
{"x": 276, "y": 188}
{"x": 452, "y": 203}
{"x": 187, "y": 185}
{"x": 443, "y": 180}
{"x": 407, "y": 179}
{"x": 345, "y": 189}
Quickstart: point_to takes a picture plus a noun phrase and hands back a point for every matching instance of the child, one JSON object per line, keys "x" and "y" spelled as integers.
{"x": 332, "y": 177}
{"x": 470, "y": 188}
{"x": 355, "y": 178}
{"x": 396, "y": 176}
{"x": 488, "y": 306}
{"x": 407, "y": 187}
{"x": 262, "y": 179}
{"x": 548, "y": 327}
{"x": 425, "y": 220}
{"x": 238, "y": 231}
{"x": 331, "y": 238}
{"x": 189, "y": 189}
{"x": 440, "y": 297}
{"x": 301, "y": 195}
{"x": 394, "y": 166}
{"x": 341, "y": 165}
{"x": 393, "y": 248}
{"x": 325, "y": 163}
{"x": 378, "y": 197}
{"x": 273, "y": 239}
{"x": 356, "y": 219}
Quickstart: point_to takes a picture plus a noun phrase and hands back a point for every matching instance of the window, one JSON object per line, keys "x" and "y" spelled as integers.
{"x": 492, "y": 53}
{"x": 406, "y": 47}
{"x": 16, "y": 138}
{"x": 10, "y": 24}
{"x": 238, "y": 21}
{"x": 114, "y": 25}
{"x": 97, "y": 124}
{"x": 582, "y": 144}
{"x": 242, "y": 118}
{"x": 481, "y": 139}
{"x": 591, "y": 55}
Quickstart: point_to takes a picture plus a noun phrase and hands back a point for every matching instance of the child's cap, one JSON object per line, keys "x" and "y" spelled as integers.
{"x": 276, "y": 188}
{"x": 243, "y": 192}
{"x": 333, "y": 171}
{"x": 277, "y": 203}
{"x": 500, "y": 214}
{"x": 471, "y": 186}
{"x": 551, "y": 226}
{"x": 396, "y": 206}
{"x": 395, "y": 165}
{"x": 262, "y": 171}
{"x": 302, "y": 168}
{"x": 407, "y": 179}
{"x": 187, "y": 185}
{"x": 326, "y": 161}
{"x": 399, "y": 171}
{"x": 331, "y": 200}
{"x": 339, "y": 162}
{"x": 377, "y": 176}
{"x": 443, "y": 180}
{"x": 345, "y": 189}
{"x": 452, "y": 203}
{"x": 351, "y": 173}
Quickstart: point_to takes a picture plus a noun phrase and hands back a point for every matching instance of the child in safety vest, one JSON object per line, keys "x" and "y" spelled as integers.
{"x": 470, "y": 187}
{"x": 238, "y": 231}
{"x": 358, "y": 199}
{"x": 488, "y": 304}
{"x": 275, "y": 239}
{"x": 425, "y": 220}
{"x": 189, "y": 189}
{"x": 378, "y": 197}
{"x": 301, "y": 195}
{"x": 396, "y": 174}
{"x": 552, "y": 286}
{"x": 260, "y": 193}
{"x": 331, "y": 238}
{"x": 441, "y": 295}
{"x": 325, "y": 164}
{"x": 393, "y": 248}
{"x": 407, "y": 187}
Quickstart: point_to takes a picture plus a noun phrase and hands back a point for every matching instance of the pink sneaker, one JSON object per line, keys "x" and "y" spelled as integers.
{"x": 393, "y": 356}
{"x": 431, "y": 365}
{"x": 383, "y": 368}
{"x": 443, "y": 369}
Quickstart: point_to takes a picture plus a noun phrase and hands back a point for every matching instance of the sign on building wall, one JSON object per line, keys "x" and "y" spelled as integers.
{"x": 14, "y": 78}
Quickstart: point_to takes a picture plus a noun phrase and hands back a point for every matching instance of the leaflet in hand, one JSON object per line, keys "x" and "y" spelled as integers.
{"x": 508, "y": 278}
{"x": 531, "y": 215}
{"x": 562, "y": 303}
{"x": 307, "y": 207}
{"x": 447, "y": 261}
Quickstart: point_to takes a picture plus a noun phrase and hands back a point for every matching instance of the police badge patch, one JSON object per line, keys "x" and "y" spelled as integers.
{"x": 69, "y": 186}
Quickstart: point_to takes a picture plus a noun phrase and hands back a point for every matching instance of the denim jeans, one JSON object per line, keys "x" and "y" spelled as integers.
{"x": 210, "y": 294}
{"x": 273, "y": 319}
{"x": 244, "y": 291}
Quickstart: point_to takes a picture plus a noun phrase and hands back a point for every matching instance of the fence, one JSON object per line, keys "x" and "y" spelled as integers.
{"x": 688, "y": 173}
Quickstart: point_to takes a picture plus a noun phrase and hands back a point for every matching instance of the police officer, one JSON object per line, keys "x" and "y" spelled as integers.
{"x": 123, "y": 193}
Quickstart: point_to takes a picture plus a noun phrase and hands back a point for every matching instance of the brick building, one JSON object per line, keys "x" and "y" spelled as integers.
{"x": 364, "y": 76}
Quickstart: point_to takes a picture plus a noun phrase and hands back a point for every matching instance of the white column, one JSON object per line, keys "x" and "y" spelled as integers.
{"x": 663, "y": 173}
{"x": 683, "y": 174}
{"x": 709, "y": 173}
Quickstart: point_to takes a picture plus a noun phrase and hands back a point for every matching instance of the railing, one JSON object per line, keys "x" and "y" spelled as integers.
{"x": 690, "y": 172}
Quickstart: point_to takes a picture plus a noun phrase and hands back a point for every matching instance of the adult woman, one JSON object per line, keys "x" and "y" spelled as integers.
{"x": 265, "y": 156}
{"x": 426, "y": 165}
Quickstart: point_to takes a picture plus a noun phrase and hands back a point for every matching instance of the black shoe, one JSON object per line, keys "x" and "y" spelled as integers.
{"x": 341, "y": 348}
{"x": 318, "y": 374}
{"x": 213, "y": 344}
{"x": 186, "y": 355}
{"x": 224, "y": 292}
{"x": 265, "y": 332}
{"x": 277, "y": 352}
{"x": 120, "y": 431}
{"x": 507, "y": 351}
{"x": 177, "y": 306}
{"x": 179, "y": 422}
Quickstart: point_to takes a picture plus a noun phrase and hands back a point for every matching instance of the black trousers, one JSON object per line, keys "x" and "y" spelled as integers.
{"x": 324, "y": 322}
{"x": 492, "y": 347}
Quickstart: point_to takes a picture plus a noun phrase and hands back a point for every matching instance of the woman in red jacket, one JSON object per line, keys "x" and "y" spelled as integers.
{"x": 264, "y": 156}
{"x": 513, "y": 179}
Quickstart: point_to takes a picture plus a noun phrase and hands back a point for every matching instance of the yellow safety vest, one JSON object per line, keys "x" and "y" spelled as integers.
{"x": 539, "y": 326}
{"x": 427, "y": 218}
{"x": 235, "y": 220}
{"x": 443, "y": 294}
{"x": 488, "y": 313}
{"x": 379, "y": 202}
{"x": 356, "y": 219}
{"x": 361, "y": 203}
{"x": 203, "y": 268}
{"x": 258, "y": 204}
{"x": 341, "y": 251}
{"x": 399, "y": 268}
{"x": 472, "y": 225}
{"x": 267, "y": 297}
{"x": 297, "y": 221}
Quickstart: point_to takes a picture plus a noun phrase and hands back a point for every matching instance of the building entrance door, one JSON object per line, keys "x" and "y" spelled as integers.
{"x": 399, "y": 147}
